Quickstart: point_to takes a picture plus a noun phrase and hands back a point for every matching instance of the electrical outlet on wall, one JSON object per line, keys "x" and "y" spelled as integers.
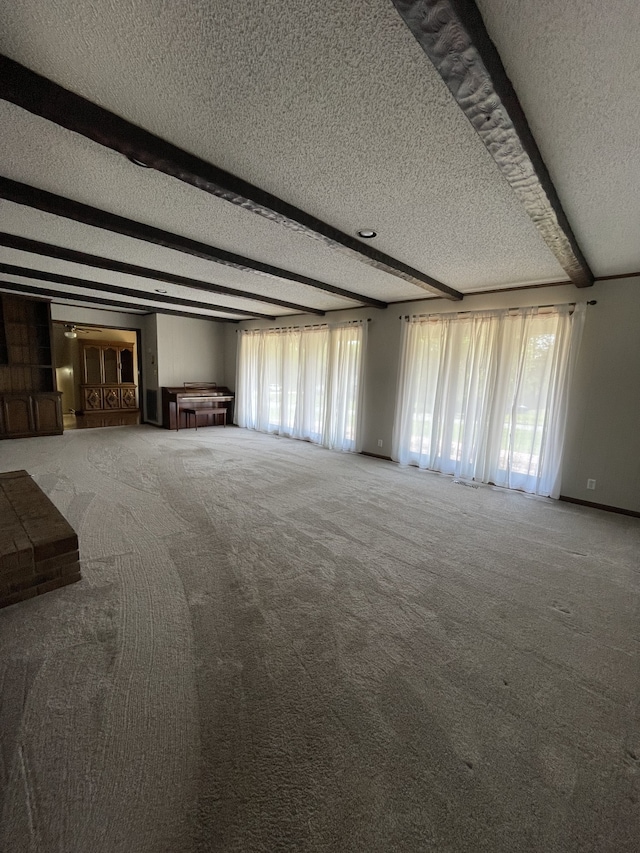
{"x": 591, "y": 484}
{"x": 379, "y": 442}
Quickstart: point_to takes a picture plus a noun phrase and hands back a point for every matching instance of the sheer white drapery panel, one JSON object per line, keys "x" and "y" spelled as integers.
{"x": 484, "y": 395}
{"x": 343, "y": 426}
{"x": 303, "y": 382}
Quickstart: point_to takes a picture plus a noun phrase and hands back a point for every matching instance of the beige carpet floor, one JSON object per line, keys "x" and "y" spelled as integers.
{"x": 279, "y": 648}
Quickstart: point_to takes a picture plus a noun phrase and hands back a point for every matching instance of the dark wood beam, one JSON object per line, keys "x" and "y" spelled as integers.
{"x": 620, "y": 275}
{"x": 69, "y": 209}
{"x": 454, "y": 37}
{"x": 49, "y": 250}
{"x": 109, "y": 303}
{"x": 72, "y": 281}
{"x": 42, "y": 97}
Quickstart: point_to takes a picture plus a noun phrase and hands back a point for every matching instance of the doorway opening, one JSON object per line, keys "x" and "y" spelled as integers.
{"x": 98, "y": 373}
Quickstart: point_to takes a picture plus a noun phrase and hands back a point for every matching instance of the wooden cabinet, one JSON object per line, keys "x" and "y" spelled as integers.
{"x": 25, "y": 414}
{"x": 47, "y": 412}
{"x": 29, "y": 402}
{"x": 108, "y": 377}
{"x": 98, "y": 398}
{"x": 18, "y": 414}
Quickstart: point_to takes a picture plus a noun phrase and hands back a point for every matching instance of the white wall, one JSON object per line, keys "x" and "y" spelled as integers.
{"x": 150, "y": 367}
{"x": 189, "y": 350}
{"x": 96, "y": 317}
{"x": 603, "y": 435}
{"x": 230, "y": 354}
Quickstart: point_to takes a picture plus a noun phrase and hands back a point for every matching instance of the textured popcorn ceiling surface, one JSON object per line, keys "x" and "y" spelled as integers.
{"x": 146, "y": 306}
{"x": 575, "y": 65}
{"x": 331, "y": 106}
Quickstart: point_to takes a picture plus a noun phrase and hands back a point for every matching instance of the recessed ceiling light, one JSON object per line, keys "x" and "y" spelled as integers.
{"x": 367, "y": 233}
{"x": 137, "y": 162}
{"x": 159, "y": 290}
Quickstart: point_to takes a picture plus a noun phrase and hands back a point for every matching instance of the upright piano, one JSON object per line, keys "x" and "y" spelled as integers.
{"x": 195, "y": 395}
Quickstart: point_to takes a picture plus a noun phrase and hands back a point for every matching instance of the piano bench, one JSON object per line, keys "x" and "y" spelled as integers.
{"x": 209, "y": 410}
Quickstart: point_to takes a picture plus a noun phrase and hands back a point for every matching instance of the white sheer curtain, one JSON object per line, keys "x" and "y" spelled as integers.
{"x": 303, "y": 382}
{"x": 484, "y": 395}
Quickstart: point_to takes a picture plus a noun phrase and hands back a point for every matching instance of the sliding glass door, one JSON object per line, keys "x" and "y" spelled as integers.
{"x": 484, "y": 395}
{"x": 303, "y": 382}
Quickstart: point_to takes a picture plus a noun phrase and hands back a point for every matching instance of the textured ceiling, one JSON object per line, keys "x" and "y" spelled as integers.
{"x": 36, "y": 225}
{"x": 332, "y": 107}
{"x": 145, "y": 303}
{"x": 575, "y": 65}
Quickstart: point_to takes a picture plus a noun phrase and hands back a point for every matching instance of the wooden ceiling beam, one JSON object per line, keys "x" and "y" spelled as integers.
{"x": 60, "y": 206}
{"x": 43, "y": 97}
{"x": 73, "y": 281}
{"x": 49, "y": 250}
{"x": 138, "y": 310}
{"x": 454, "y": 37}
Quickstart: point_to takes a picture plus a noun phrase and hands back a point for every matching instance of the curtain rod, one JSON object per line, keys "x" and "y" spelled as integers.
{"x": 308, "y": 326}
{"x": 518, "y": 308}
